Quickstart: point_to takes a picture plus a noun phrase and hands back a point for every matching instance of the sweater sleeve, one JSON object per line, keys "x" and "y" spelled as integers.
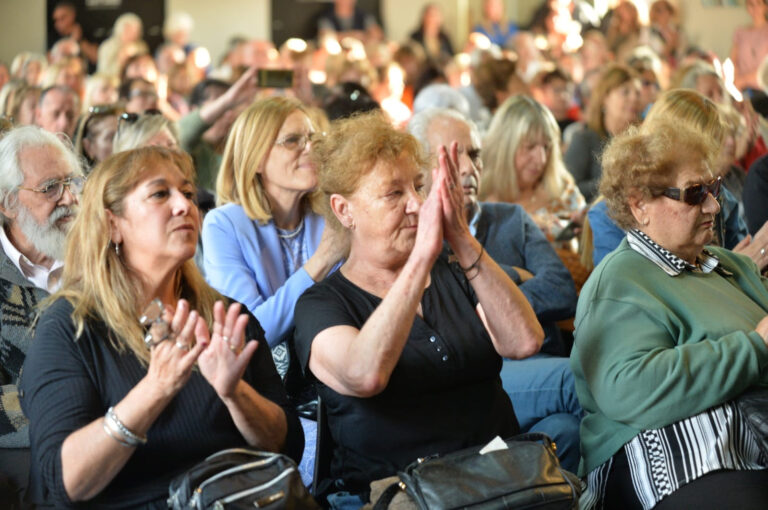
{"x": 58, "y": 396}
{"x": 14, "y": 426}
{"x": 639, "y": 376}
{"x": 231, "y": 272}
{"x": 582, "y": 163}
{"x": 735, "y": 226}
{"x": 551, "y": 291}
{"x": 191, "y": 129}
{"x": 606, "y": 236}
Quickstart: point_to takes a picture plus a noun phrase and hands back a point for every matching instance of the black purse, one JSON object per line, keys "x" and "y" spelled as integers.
{"x": 239, "y": 478}
{"x": 527, "y": 474}
{"x": 753, "y": 405}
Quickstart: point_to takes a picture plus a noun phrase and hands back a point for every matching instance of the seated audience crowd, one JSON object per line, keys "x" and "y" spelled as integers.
{"x": 385, "y": 250}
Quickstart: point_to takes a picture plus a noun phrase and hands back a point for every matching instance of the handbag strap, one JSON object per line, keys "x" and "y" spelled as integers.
{"x": 387, "y": 496}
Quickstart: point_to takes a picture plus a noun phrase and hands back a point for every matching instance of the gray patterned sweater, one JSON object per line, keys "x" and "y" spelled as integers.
{"x": 18, "y": 305}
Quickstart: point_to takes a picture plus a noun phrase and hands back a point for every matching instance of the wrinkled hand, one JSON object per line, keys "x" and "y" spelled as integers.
{"x": 171, "y": 360}
{"x": 226, "y": 355}
{"x": 448, "y": 183}
{"x": 334, "y": 244}
{"x": 755, "y": 247}
{"x": 762, "y": 329}
{"x": 429, "y": 233}
{"x": 244, "y": 89}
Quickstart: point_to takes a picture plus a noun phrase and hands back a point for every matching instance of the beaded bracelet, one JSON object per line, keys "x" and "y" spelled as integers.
{"x": 128, "y": 435}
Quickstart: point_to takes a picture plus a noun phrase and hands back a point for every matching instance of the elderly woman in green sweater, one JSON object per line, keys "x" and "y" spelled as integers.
{"x": 668, "y": 333}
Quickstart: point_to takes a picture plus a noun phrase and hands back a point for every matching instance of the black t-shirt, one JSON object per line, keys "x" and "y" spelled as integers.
{"x": 444, "y": 393}
{"x": 68, "y": 383}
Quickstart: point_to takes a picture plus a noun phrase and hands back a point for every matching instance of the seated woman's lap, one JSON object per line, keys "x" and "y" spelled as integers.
{"x": 719, "y": 490}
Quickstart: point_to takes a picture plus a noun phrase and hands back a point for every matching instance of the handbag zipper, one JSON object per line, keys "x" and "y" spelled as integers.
{"x": 233, "y": 470}
{"x": 263, "y": 501}
{"x": 237, "y": 450}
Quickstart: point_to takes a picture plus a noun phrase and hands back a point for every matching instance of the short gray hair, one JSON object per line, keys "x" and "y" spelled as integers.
{"x": 137, "y": 134}
{"x": 11, "y": 173}
{"x": 440, "y": 95}
{"x": 696, "y": 71}
{"x": 420, "y": 124}
{"x": 64, "y": 90}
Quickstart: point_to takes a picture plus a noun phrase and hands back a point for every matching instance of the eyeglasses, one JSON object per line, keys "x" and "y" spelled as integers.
{"x": 695, "y": 194}
{"x": 298, "y": 141}
{"x": 53, "y": 190}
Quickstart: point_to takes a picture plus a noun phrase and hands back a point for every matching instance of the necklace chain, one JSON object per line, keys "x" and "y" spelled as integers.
{"x": 291, "y": 235}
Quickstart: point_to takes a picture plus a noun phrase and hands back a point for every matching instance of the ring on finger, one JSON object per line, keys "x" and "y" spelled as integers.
{"x": 762, "y": 252}
{"x": 182, "y": 345}
{"x": 232, "y": 348}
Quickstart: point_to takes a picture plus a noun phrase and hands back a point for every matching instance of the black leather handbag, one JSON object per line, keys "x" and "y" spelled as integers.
{"x": 239, "y": 478}
{"x": 525, "y": 475}
{"x": 754, "y": 408}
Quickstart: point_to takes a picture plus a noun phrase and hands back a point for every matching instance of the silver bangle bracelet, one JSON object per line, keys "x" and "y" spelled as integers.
{"x": 127, "y": 434}
{"x": 111, "y": 434}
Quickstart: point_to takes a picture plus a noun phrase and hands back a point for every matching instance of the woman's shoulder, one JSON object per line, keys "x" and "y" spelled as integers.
{"x": 233, "y": 213}
{"x": 59, "y": 308}
{"x": 335, "y": 284}
{"x": 620, "y": 270}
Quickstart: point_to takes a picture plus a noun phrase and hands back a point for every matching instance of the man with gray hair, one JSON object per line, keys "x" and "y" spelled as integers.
{"x": 58, "y": 109}
{"x": 541, "y": 388}
{"x": 40, "y": 180}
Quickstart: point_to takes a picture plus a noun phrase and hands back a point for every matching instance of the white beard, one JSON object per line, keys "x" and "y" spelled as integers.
{"x": 49, "y": 239}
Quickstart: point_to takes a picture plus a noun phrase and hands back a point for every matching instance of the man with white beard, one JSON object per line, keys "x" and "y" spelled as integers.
{"x": 40, "y": 180}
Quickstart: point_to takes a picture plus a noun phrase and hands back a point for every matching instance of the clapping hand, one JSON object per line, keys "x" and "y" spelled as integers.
{"x": 451, "y": 194}
{"x": 226, "y": 355}
{"x": 172, "y": 355}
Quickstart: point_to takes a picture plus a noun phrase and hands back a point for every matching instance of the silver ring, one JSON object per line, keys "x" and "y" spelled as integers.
{"x": 225, "y": 338}
{"x": 182, "y": 346}
{"x": 762, "y": 251}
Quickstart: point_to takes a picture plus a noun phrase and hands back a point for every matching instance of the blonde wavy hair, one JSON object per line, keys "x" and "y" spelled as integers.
{"x": 250, "y": 140}
{"x": 690, "y": 108}
{"x": 131, "y": 135}
{"x": 95, "y": 279}
{"x": 519, "y": 119}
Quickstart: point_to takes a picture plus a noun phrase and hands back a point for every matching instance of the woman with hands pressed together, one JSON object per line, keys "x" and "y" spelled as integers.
{"x": 406, "y": 343}
{"x": 116, "y": 411}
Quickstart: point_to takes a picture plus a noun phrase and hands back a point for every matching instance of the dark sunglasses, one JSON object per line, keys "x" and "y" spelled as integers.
{"x": 96, "y": 111}
{"x": 695, "y": 194}
{"x": 103, "y": 109}
{"x": 130, "y": 118}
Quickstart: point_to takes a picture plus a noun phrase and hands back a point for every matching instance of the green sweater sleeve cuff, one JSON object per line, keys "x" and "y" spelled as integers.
{"x": 762, "y": 351}
{"x": 191, "y": 129}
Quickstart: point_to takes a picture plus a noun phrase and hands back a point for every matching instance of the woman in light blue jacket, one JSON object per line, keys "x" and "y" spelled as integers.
{"x": 265, "y": 243}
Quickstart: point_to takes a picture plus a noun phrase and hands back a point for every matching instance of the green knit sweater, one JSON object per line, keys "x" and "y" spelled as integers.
{"x": 651, "y": 349}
